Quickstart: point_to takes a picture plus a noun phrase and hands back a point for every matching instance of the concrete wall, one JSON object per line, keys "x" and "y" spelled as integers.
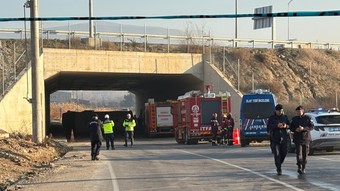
{"x": 121, "y": 62}
{"x": 16, "y": 112}
{"x": 213, "y": 76}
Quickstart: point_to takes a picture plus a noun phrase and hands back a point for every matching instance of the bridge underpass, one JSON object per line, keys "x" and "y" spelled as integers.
{"x": 148, "y": 75}
{"x": 158, "y": 86}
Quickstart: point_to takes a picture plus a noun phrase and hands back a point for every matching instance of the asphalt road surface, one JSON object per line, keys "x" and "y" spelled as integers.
{"x": 161, "y": 164}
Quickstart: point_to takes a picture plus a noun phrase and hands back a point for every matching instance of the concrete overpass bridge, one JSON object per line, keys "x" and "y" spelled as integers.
{"x": 148, "y": 75}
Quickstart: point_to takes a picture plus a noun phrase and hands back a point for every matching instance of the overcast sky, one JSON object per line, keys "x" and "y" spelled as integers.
{"x": 303, "y": 28}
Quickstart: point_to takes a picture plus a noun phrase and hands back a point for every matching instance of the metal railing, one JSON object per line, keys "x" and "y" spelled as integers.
{"x": 14, "y": 63}
{"x": 177, "y": 39}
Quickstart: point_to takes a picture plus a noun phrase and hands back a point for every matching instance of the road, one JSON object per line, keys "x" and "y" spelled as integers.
{"x": 161, "y": 164}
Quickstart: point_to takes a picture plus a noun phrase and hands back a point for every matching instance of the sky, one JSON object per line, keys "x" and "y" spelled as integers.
{"x": 322, "y": 29}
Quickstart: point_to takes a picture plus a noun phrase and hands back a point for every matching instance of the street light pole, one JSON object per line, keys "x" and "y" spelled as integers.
{"x": 236, "y": 22}
{"x": 90, "y": 16}
{"x": 26, "y": 5}
{"x": 288, "y": 18}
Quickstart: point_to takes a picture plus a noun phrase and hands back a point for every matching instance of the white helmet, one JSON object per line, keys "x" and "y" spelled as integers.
{"x": 107, "y": 116}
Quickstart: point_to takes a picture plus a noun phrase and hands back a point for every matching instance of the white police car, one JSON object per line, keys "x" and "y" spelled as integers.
{"x": 326, "y": 132}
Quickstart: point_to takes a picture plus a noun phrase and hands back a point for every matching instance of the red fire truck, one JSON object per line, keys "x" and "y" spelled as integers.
{"x": 193, "y": 113}
{"x": 158, "y": 118}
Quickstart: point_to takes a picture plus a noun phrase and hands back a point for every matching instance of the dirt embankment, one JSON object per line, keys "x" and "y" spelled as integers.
{"x": 20, "y": 158}
{"x": 306, "y": 76}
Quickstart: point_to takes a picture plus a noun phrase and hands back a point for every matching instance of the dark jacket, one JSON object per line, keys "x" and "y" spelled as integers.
{"x": 278, "y": 135}
{"x": 214, "y": 125}
{"x": 303, "y": 137}
{"x": 96, "y": 130}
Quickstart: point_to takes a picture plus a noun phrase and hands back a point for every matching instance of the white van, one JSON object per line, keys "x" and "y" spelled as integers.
{"x": 326, "y": 132}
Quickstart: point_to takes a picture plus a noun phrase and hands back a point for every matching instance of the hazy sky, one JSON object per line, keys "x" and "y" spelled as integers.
{"x": 302, "y": 28}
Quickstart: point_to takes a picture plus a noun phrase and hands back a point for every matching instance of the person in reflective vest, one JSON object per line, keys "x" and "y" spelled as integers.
{"x": 224, "y": 130}
{"x": 129, "y": 125}
{"x": 108, "y": 132}
{"x": 214, "y": 129}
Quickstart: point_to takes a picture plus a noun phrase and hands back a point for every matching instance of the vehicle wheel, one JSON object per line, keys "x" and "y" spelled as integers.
{"x": 193, "y": 141}
{"x": 243, "y": 142}
{"x": 186, "y": 137}
{"x": 179, "y": 141}
{"x": 330, "y": 149}
{"x": 311, "y": 151}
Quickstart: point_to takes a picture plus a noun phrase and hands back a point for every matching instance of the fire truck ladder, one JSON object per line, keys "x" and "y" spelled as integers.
{"x": 153, "y": 116}
{"x": 224, "y": 103}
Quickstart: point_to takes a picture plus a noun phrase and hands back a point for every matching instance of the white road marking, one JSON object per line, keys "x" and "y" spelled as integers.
{"x": 113, "y": 177}
{"x": 315, "y": 182}
{"x": 245, "y": 169}
{"x": 325, "y": 159}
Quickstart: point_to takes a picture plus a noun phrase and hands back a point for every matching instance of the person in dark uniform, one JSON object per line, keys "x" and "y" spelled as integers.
{"x": 214, "y": 128}
{"x": 300, "y": 127}
{"x": 230, "y": 129}
{"x": 96, "y": 136}
{"x": 224, "y": 126}
{"x": 277, "y": 125}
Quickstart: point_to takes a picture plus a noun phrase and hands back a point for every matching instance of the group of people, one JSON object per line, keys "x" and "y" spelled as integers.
{"x": 99, "y": 128}
{"x": 300, "y": 127}
{"x": 277, "y": 127}
{"x": 227, "y": 128}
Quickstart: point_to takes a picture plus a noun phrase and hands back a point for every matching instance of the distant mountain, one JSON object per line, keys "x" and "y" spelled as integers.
{"x": 104, "y": 26}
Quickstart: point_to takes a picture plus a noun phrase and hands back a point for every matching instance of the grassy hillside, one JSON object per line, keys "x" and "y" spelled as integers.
{"x": 306, "y": 76}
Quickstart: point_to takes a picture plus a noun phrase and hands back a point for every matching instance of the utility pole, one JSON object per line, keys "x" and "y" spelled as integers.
{"x": 238, "y": 74}
{"x": 37, "y": 85}
{"x": 336, "y": 99}
{"x": 236, "y": 22}
{"x": 90, "y": 20}
{"x": 288, "y": 19}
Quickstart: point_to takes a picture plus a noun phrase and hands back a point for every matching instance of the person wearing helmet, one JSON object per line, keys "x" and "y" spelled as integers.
{"x": 224, "y": 129}
{"x": 95, "y": 126}
{"x": 129, "y": 125}
{"x": 230, "y": 128}
{"x": 108, "y": 132}
{"x": 214, "y": 129}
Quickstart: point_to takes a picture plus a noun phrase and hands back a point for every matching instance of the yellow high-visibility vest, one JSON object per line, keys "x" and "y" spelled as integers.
{"x": 108, "y": 126}
{"x": 129, "y": 124}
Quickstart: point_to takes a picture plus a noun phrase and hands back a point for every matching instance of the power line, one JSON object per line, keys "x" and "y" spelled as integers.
{"x": 281, "y": 14}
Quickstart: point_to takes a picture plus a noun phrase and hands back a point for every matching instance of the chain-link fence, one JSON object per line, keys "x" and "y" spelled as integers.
{"x": 14, "y": 59}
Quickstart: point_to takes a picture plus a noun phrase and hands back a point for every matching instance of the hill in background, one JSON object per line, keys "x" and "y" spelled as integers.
{"x": 296, "y": 76}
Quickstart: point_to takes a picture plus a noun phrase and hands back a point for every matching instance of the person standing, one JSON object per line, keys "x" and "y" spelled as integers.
{"x": 224, "y": 129}
{"x": 300, "y": 127}
{"x": 277, "y": 125}
{"x": 129, "y": 125}
{"x": 109, "y": 132}
{"x": 96, "y": 136}
{"x": 230, "y": 129}
{"x": 214, "y": 128}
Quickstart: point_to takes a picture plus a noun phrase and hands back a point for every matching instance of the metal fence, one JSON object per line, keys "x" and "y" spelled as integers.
{"x": 15, "y": 46}
{"x": 14, "y": 59}
{"x": 169, "y": 43}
